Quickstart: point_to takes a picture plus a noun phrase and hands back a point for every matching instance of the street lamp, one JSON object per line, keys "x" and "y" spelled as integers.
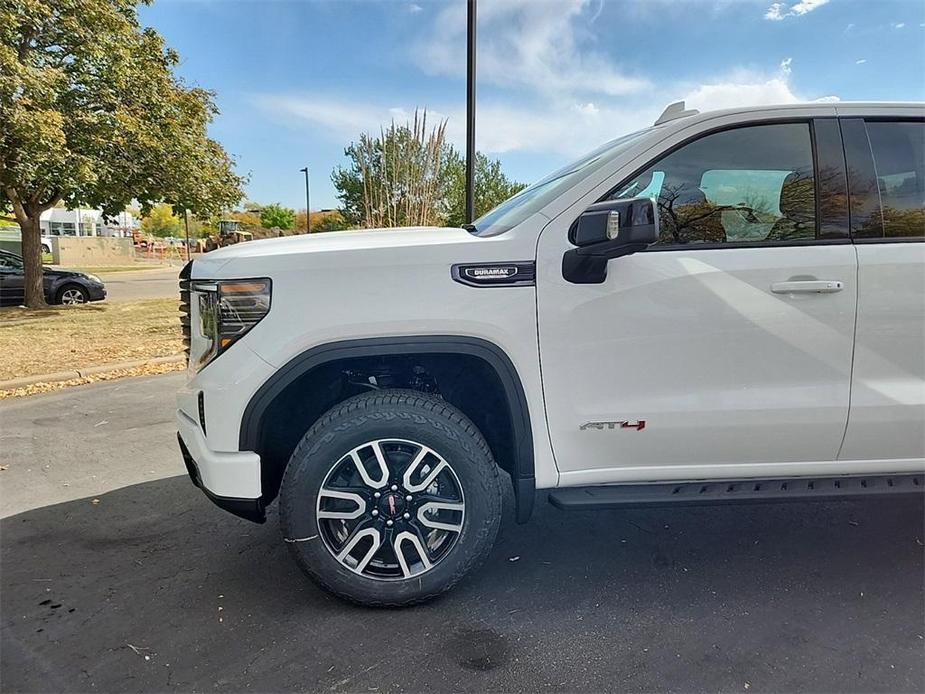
{"x": 186, "y": 222}
{"x": 308, "y": 207}
{"x": 470, "y": 111}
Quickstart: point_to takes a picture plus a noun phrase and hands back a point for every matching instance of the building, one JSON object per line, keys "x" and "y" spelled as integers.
{"x": 85, "y": 222}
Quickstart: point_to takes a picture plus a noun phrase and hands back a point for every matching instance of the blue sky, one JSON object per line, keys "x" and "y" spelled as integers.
{"x": 297, "y": 80}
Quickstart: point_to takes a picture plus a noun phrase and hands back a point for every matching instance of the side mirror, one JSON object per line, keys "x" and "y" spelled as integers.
{"x": 624, "y": 222}
{"x": 608, "y": 230}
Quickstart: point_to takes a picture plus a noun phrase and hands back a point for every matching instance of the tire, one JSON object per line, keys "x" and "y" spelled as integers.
{"x": 465, "y": 494}
{"x": 72, "y": 294}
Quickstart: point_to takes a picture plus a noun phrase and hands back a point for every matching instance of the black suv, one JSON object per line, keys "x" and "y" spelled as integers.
{"x": 61, "y": 286}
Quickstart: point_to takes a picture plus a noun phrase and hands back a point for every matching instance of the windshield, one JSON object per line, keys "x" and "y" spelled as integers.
{"x": 514, "y": 210}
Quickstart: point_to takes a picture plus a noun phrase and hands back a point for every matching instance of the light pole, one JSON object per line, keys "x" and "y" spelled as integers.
{"x": 470, "y": 111}
{"x": 186, "y": 221}
{"x": 308, "y": 208}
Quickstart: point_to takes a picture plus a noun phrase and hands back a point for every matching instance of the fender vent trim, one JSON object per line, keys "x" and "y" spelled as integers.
{"x": 520, "y": 273}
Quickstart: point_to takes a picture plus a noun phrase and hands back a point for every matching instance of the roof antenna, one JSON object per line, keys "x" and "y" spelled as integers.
{"x": 674, "y": 111}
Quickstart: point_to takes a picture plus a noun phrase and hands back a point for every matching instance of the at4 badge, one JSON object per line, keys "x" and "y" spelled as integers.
{"x": 638, "y": 425}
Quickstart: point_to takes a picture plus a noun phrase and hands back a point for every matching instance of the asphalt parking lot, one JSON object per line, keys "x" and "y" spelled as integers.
{"x": 144, "y": 284}
{"x": 153, "y": 589}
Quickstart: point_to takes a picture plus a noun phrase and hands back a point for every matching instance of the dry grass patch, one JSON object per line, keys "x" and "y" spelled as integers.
{"x": 74, "y": 337}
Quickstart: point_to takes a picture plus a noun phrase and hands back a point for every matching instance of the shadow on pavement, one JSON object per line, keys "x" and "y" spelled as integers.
{"x": 153, "y": 589}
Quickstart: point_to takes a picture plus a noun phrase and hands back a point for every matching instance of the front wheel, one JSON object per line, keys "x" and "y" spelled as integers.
{"x": 390, "y": 498}
{"x": 72, "y": 294}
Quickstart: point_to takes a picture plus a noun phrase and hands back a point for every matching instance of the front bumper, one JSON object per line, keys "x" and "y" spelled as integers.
{"x": 231, "y": 480}
{"x": 97, "y": 292}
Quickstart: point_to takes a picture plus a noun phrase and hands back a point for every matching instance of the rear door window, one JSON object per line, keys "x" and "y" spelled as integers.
{"x": 899, "y": 160}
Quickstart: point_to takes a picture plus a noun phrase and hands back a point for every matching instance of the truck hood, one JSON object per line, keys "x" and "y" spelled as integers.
{"x": 342, "y": 241}
{"x": 337, "y": 248}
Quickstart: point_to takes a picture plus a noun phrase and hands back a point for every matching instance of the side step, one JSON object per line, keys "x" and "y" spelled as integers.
{"x": 734, "y": 491}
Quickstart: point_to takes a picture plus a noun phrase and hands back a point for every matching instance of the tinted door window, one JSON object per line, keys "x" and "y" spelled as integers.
{"x": 10, "y": 263}
{"x": 899, "y": 160}
{"x": 748, "y": 185}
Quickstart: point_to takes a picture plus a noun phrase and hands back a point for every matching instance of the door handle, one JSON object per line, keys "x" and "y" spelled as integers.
{"x": 808, "y": 287}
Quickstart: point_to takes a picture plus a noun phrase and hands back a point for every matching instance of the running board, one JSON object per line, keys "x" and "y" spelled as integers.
{"x": 734, "y": 491}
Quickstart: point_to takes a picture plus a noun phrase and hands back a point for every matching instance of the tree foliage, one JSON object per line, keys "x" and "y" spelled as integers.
{"x": 394, "y": 179}
{"x": 322, "y": 220}
{"x": 161, "y": 222}
{"x": 409, "y": 176}
{"x": 492, "y": 186}
{"x": 275, "y": 216}
{"x": 91, "y": 115}
{"x": 246, "y": 219}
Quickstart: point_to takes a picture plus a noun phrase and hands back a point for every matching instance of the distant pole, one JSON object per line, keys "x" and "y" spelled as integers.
{"x": 470, "y": 112}
{"x": 308, "y": 207}
{"x": 186, "y": 221}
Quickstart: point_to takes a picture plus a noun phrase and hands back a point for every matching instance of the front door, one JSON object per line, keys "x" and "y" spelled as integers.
{"x": 12, "y": 282}
{"x": 725, "y": 349}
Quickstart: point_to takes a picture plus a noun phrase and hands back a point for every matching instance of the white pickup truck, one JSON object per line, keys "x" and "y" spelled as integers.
{"x": 726, "y": 306}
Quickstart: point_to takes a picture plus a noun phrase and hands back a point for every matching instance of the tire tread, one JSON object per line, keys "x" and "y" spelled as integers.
{"x": 352, "y": 413}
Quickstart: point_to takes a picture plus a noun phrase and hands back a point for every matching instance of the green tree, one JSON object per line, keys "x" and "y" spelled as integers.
{"x": 492, "y": 186}
{"x": 322, "y": 220}
{"x": 91, "y": 115}
{"x": 161, "y": 222}
{"x": 394, "y": 179}
{"x": 275, "y": 215}
{"x": 428, "y": 164}
{"x": 348, "y": 182}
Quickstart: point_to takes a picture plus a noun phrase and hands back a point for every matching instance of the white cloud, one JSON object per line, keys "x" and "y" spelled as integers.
{"x": 860, "y": 61}
{"x": 805, "y": 6}
{"x": 776, "y": 12}
{"x": 527, "y": 43}
{"x": 559, "y": 98}
{"x": 563, "y": 126}
{"x": 897, "y": 25}
{"x": 413, "y": 8}
{"x": 742, "y": 90}
{"x": 748, "y": 88}
{"x": 781, "y": 10}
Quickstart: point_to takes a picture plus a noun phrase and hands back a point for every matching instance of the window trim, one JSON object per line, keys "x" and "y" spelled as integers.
{"x": 803, "y": 120}
{"x": 883, "y": 238}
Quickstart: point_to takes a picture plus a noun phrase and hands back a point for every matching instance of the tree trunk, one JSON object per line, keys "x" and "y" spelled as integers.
{"x": 32, "y": 262}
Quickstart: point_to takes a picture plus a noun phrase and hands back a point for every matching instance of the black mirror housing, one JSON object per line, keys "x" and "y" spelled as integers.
{"x": 608, "y": 230}
{"x": 623, "y": 221}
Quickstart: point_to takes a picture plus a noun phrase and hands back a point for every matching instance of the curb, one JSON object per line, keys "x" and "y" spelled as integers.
{"x": 89, "y": 371}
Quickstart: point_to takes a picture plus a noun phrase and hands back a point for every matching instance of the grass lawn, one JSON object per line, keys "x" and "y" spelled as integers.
{"x": 62, "y": 338}
{"x": 97, "y": 269}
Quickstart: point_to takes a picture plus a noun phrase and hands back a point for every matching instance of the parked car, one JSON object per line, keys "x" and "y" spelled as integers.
{"x": 726, "y": 306}
{"x": 61, "y": 286}
{"x": 13, "y": 236}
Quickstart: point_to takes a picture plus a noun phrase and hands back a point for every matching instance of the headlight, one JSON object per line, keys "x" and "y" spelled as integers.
{"x": 94, "y": 278}
{"x": 226, "y": 310}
